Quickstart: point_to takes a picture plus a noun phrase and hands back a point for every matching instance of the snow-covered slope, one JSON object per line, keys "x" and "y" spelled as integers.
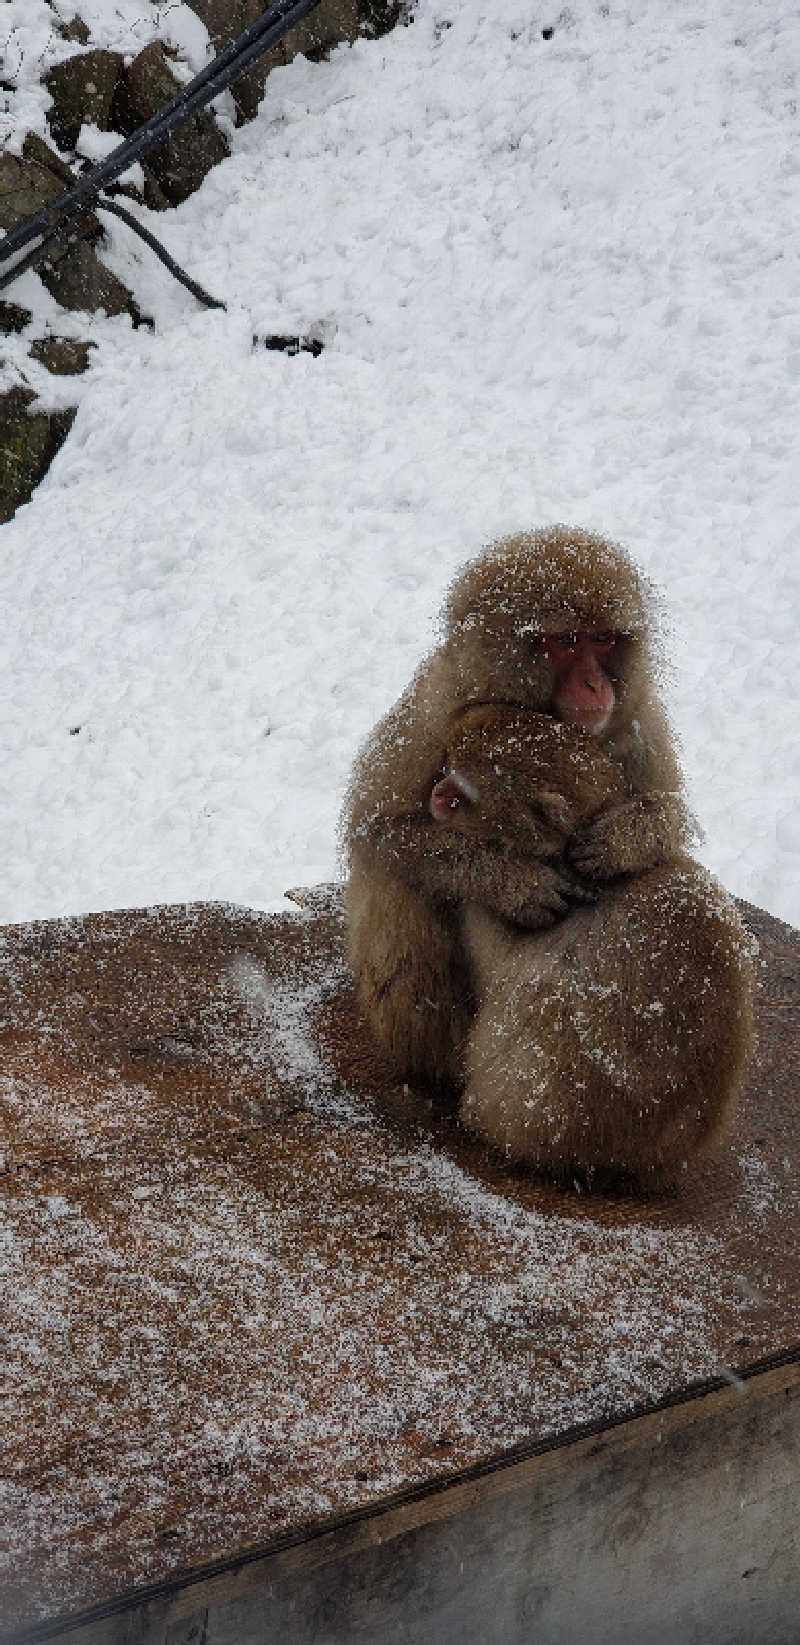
{"x": 559, "y": 278}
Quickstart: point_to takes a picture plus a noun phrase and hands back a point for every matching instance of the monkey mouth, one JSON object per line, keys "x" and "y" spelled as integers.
{"x": 593, "y": 720}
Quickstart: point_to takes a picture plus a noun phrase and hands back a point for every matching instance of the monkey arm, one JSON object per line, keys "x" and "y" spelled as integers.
{"x": 653, "y": 825}
{"x": 641, "y": 833}
{"x": 387, "y": 825}
{"x": 449, "y": 867}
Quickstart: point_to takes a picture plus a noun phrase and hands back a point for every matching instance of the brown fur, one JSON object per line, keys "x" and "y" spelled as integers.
{"x": 616, "y": 1041}
{"x": 407, "y": 876}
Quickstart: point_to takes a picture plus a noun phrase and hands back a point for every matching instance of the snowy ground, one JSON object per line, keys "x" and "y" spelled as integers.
{"x": 560, "y": 282}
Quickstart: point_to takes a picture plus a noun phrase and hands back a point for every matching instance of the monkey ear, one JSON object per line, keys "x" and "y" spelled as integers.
{"x": 450, "y": 794}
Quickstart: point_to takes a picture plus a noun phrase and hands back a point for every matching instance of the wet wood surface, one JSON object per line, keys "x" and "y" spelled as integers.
{"x": 258, "y": 1292}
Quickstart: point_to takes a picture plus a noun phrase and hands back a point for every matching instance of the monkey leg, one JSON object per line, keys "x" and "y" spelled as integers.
{"x": 519, "y": 1092}
{"x": 412, "y": 976}
{"x": 618, "y": 1042}
{"x": 520, "y": 1096}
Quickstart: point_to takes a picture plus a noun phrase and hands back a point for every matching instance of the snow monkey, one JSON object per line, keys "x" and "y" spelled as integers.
{"x": 617, "y": 1039}
{"x": 553, "y": 620}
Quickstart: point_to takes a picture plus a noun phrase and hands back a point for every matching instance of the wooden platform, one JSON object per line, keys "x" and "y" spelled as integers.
{"x": 289, "y": 1358}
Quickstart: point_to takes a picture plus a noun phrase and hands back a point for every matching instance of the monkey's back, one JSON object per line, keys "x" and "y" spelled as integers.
{"x": 619, "y": 1038}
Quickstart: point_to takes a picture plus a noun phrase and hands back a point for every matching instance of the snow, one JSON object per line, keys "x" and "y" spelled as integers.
{"x": 558, "y": 280}
{"x": 31, "y": 44}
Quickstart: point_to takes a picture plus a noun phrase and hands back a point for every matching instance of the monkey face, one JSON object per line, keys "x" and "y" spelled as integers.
{"x": 553, "y": 620}
{"x": 583, "y": 691}
{"x": 483, "y": 804}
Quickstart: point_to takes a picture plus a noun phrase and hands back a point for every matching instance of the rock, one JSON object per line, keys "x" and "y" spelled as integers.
{"x": 379, "y": 16}
{"x": 82, "y": 89}
{"x": 180, "y": 163}
{"x": 75, "y": 30}
{"x": 13, "y": 317}
{"x": 36, "y": 149}
{"x": 77, "y": 279}
{"x": 30, "y": 181}
{"x": 71, "y": 272}
{"x": 25, "y": 186}
{"x": 64, "y": 356}
{"x": 28, "y": 443}
{"x": 333, "y": 22}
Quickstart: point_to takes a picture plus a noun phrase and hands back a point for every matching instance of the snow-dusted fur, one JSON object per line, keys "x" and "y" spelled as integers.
{"x": 409, "y": 877}
{"x": 617, "y": 1040}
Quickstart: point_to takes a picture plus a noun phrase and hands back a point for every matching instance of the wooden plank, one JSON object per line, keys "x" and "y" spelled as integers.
{"x": 258, "y": 1289}
{"x": 678, "y": 1526}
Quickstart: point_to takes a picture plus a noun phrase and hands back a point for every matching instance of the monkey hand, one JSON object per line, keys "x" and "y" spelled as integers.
{"x": 628, "y": 838}
{"x": 539, "y": 896}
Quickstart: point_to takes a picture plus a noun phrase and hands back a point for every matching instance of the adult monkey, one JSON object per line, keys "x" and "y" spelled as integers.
{"x": 553, "y": 620}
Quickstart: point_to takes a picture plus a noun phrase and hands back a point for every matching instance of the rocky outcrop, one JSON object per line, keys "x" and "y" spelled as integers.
{"x": 63, "y": 356}
{"x": 73, "y": 273}
{"x": 177, "y": 167}
{"x": 29, "y": 440}
{"x": 93, "y": 87}
{"x": 13, "y": 317}
{"x": 82, "y": 89}
{"x": 331, "y": 23}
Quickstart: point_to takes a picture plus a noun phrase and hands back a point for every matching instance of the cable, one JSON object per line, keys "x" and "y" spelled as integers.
{"x": 75, "y": 201}
{"x": 31, "y": 260}
{"x": 296, "y": 343}
{"x": 198, "y": 291}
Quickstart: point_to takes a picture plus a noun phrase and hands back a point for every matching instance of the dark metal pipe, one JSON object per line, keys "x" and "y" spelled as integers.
{"x": 205, "y": 86}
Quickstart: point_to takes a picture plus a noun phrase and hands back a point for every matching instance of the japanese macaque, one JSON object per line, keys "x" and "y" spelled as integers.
{"x": 556, "y": 621}
{"x": 615, "y": 1041}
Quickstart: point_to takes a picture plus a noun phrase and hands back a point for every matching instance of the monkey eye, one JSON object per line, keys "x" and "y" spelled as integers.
{"x": 560, "y": 645}
{"x": 565, "y": 645}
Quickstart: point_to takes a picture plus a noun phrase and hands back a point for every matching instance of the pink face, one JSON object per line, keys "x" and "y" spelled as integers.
{"x": 583, "y": 693}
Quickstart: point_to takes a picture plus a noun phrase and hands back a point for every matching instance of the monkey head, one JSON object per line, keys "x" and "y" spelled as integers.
{"x": 517, "y": 775}
{"x": 555, "y": 620}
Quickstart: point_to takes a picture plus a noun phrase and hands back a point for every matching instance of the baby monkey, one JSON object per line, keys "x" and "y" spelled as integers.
{"x": 616, "y": 1040}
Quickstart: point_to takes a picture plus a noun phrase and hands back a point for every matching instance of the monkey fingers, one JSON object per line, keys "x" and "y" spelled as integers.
{"x": 577, "y": 891}
{"x": 590, "y": 855}
{"x": 630, "y": 838}
{"x": 550, "y": 896}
